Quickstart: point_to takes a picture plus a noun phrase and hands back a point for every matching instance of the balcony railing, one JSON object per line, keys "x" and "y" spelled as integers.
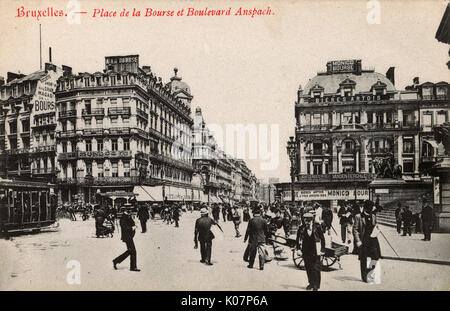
{"x": 17, "y": 151}
{"x": 43, "y": 171}
{"x": 119, "y": 110}
{"x": 68, "y": 156}
{"x": 48, "y": 148}
{"x": 93, "y": 132}
{"x": 119, "y": 130}
{"x": 93, "y": 112}
{"x": 141, "y": 113}
{"x": 410, "y": 124}
{"x": 68, "y": 113}
{"x": 69, "y": 133}
{"x": 380, "y": 150}
{"x": 44, "y": 124}
{"x": 349, "y": 151}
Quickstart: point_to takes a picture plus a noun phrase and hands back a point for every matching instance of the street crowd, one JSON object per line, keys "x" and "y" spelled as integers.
{"x": 304, "y": 226}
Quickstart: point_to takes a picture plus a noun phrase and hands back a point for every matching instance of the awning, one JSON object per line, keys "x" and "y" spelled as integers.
{"x": 175, "y": 193}
{"x": 214, "y": 199}
{"x": 203, "y": 197}
{"x": 147, "y": 193}
{"x": 433, "y": 143}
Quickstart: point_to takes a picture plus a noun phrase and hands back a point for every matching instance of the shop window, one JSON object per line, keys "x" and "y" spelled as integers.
{"x": 408, "y": 166}
{"x": 317, "y": 168}
{"x": 408, "y": 146}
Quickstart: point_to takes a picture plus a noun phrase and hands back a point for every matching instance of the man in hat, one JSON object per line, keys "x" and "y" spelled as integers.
{"x": 345, "y": 220}
{"x": 367, "y": 245}
{"x": 309, "y": 234}
{"x": 256, "y": 233}
{"x": 407, "y": 219}
{"x": 236, "y": 220}
{"x": 427, "y": 222}
{"x": 143, "y": 216}
{"x": 398, "y": 217}
{"x": 203, "y": 234}
{"x": 128, "y": 229}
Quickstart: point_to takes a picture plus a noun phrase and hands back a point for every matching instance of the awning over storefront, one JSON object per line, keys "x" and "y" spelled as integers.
{"x": 178, "y": 193}
{"x": 214, "y": 199}
{"x": 203, "y": 197}
{"x": 147, "y": 193}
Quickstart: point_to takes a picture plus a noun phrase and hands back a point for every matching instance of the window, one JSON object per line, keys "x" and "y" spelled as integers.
{"x": 379, "y": 118}
{"x": 114, "y": 119}
{"x": 317, "y": 168}
{"x": 408, "y": 166}
{"x": 99, "y": 121}
{"x": 88, "y": 145}
{"x": 100, "y": 169}
{"x": 347, "y": 118}
{"x": 99, "y": 144}
{"x": 348, "y": 166}
{"x": 114, "y": 146}
{"x": 89, "y": 168}
{"x": 317, "y": 148}
{"x": 126, "y": 169}
{"x": 126, "y": 119}
{"x": 115, "y": 169}
{"x": 126, "y": 144}
{"x": 427, "y": 120}
{"x": 441, "y": 116}
{"x": 369, "y": 117}
{"x": 64, "y": 146}
{"x": 113, "y": 101}
{"x": 427, "y": 150}
{"x": 316, "y": 119}
{"x": 126, "y": 102}
{"x": 88, "y": 122}
{"x": 408, "y": 145}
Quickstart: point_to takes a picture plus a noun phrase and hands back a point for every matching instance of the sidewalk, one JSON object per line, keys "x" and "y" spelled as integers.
{"x": 411, "y": 247}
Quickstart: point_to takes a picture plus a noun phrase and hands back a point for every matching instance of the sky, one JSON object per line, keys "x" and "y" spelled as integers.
{"x": 241, "y": 70}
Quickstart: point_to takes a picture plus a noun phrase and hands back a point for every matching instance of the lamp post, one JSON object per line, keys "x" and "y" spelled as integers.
{"x": 89, "y": 179}
{"x": 292, "y": 152}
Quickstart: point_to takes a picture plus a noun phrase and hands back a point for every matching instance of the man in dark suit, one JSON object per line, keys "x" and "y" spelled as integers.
{"x": 327, "y": 218}
{"x": 407, "y": 219}
{"x": 427, "y": 222}
{"x": 345, "y": 220}
{"x": 176, "y": 215}
{"x": 128, "y": 229}
{"x": 367, "y": 246}
{"x": 308, "y": 235}
{"x": 143, "y": 216}
{"x": 256, "y": 234}
{"x": 398, "y": 217}
{"x": 203, "y": 234}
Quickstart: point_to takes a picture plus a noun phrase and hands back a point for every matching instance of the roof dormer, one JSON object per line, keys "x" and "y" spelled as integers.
{"x": 379, "y": 88}
{"x": 347, "y": 87}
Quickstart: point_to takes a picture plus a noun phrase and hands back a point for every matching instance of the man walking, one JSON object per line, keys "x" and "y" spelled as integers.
{"x": 427, "y": 222}
{"x": 327, "y": 217}
{"x": 236, "y": 221}
{"x": 203, "y": 234}
{"x": 143, "y": 216}
{"x": 224, "y": 213}
{"x": 345, "y": 221}
{"x": 216, "y": 212}
{"x": 176, "y": 215}
{"x": 367, "y": 245}
{"x": 398, "y": 217}
{"x": 256, "y": 233}
{"x": 308, "y": 235}
{"x": 407, "y": 219}
{"x": 128, "y": 228}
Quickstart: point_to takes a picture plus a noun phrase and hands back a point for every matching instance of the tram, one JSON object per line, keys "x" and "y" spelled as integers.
{"x": 26, "y": 205}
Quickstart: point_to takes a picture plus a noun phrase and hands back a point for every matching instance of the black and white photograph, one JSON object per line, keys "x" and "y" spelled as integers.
{"x": 220, "y": 146}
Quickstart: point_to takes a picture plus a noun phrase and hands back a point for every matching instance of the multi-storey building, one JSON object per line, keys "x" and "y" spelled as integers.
{"x": 348, "y": 118}
{"x": 27, "y": 125}
{"x": 120, "y": 128}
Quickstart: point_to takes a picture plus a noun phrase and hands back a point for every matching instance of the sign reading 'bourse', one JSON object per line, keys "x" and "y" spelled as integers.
{"x": 44, "y": 98}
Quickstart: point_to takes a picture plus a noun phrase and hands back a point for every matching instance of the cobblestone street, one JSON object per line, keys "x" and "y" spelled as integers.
{"x": 169, "y": 262}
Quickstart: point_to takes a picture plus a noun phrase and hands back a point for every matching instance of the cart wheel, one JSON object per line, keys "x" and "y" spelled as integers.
{"x": 327, "y": 261}
{"x": 298, "y": 259}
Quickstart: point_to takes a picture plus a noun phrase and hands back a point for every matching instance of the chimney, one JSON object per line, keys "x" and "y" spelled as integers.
{"x": 50, "y": 66}
{"x": 2, "y": 80}
{"x": 50, "y": 54}
{"x": 416, "y": 81}
{"x": 11, "y": 76}
{"x": 67, "y": 70}
{"x": 390, "y": 74}
{"x": 147, "y": 69}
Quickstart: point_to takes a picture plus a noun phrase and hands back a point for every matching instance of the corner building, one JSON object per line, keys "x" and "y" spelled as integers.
{"x": 123, "y": 128}
{"x": 348, "y": 117}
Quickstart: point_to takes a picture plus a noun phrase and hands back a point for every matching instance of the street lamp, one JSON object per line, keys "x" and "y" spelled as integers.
{"x": 89, "y": 179}
{"x": 292, "y": 152}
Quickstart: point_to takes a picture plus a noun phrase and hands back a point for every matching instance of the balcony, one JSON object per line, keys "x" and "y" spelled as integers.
{"x": 68, "y": 114}
{"x": 43, "y": 171}
{"x": 142, "y": 113}
{"x": 410, "y": 124}
{"x": 428, "y": 159}
{"x": 348, "y": 151}
{"x": 119, "y": 111}
{"x": 380, "y": 150}
{"x": 93, "y": 112}
{"x": 119, "y": 131}
{"x": 107, "y": 181}
{"x": 141, "y": 132}
{"x": 93, "y": 132}
{"x": 70, "y": 133}
{"x": 66, "y": 181}
{"x": 48, "y": 148}
{"x": 51, "y": 123}
{"x": 67, "y": 156}
{"x": 19, "y": 151}
{"x": 312, "y": 128}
